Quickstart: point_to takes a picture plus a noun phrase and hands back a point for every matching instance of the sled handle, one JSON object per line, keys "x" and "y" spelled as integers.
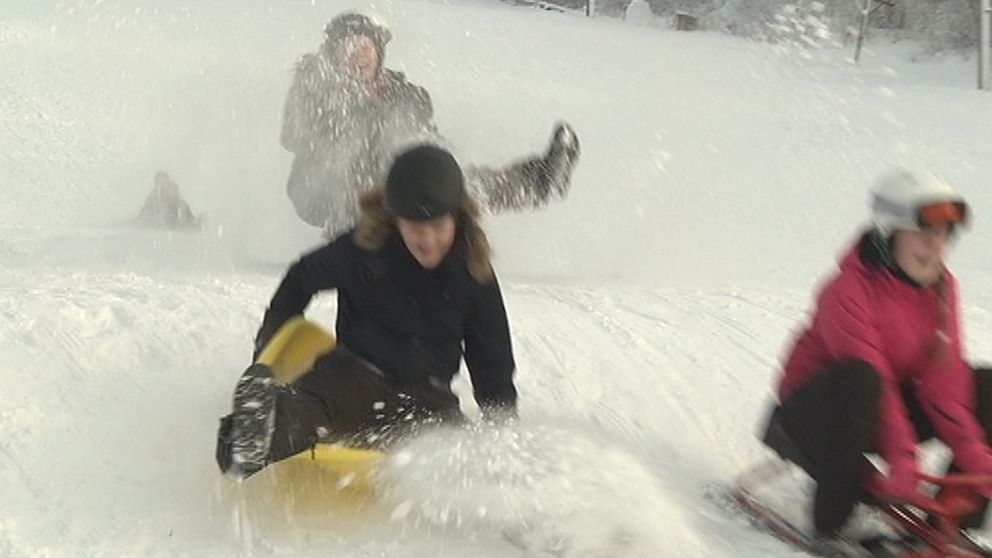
{"x": 940, "y": 532}
{"x": 957, "y": 480}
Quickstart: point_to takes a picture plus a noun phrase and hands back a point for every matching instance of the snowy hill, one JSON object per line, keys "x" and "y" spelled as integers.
{"x": 718, "y": 181}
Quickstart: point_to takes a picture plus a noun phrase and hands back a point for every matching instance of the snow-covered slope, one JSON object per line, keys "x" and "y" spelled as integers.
{"x": 719, "y": 179}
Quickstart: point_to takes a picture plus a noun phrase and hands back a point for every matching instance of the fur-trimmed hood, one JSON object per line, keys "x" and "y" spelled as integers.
{"x": 376, "y": 226}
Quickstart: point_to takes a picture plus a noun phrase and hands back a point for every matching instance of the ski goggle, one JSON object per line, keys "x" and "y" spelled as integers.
{"x": 942, "y": 214}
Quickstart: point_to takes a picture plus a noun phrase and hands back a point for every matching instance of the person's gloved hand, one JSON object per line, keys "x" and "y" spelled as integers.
{"x": 902, "y": 486}
{"x": 956, "y": 502}
{"x": 976, "y": 458}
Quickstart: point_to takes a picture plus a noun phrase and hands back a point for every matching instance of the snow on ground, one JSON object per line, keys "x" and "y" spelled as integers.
{"x": 718, "y": 181}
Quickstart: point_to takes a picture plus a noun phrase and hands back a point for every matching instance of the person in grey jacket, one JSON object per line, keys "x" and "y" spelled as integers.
{"x": 346, "y": 116}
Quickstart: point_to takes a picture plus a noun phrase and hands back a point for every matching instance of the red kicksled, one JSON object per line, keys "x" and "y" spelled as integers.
{"x": 958, "y": 496}
{"x": 928, "y": 527}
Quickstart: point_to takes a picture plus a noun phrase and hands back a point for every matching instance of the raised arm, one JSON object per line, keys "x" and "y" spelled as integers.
{"x": 314, "y": 103}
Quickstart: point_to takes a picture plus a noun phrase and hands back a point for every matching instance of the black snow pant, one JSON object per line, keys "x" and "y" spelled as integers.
{"x": 346, "y": 400}
{"x": 827, "y": 425}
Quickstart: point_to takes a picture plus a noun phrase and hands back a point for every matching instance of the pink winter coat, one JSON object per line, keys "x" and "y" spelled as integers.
{"x": 868, "y": 313}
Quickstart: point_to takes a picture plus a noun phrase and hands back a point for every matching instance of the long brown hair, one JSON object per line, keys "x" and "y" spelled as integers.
{"x": 376, "y": 225}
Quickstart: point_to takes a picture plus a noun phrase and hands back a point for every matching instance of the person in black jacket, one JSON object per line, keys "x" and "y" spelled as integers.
{"x": 416, "y": 293}
{"x": 346, "y": 117}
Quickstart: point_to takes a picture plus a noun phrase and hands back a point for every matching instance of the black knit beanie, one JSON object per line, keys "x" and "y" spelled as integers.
{"x": 425, "y": 183}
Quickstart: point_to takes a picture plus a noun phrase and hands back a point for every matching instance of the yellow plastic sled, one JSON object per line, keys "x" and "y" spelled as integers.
{"x": 293, "y": 350}
{"x": 327, "y": 486}
{"x": 328, "y": 481}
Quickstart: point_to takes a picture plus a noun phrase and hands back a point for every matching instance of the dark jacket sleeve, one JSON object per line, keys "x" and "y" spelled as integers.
{"x": 423, "y": 107}
{"x": 320, "y": 270}
{"x": 316, "y": 102}
{"x": 299, "y": 116}
{"x": 413, "y": 101}
{"x": 488, "y": 353}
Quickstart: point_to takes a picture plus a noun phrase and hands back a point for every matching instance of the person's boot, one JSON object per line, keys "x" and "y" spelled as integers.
{"x": 253, "y": 420}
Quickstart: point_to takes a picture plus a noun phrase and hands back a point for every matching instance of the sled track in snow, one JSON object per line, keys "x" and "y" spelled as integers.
{"x": 650, "y": 358}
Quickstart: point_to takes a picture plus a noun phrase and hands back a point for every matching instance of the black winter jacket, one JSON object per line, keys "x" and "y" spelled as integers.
{"x": 412, "y": 323}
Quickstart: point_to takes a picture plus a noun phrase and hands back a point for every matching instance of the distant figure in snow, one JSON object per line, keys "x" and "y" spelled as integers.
{"x": 639, "y": 12}
{"x": 164, "y": 208}
{"x": 347, "y": 116}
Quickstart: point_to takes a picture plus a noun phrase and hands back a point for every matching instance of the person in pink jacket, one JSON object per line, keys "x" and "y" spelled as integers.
{"x": 881, "y": 367}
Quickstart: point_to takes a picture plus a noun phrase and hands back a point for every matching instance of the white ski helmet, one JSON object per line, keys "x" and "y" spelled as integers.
{"x": 911, "y": 200}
